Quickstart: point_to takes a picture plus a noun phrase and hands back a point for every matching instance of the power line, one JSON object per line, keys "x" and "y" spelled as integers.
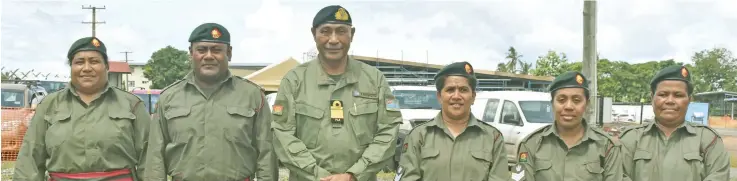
{"x": 94, "y": 21}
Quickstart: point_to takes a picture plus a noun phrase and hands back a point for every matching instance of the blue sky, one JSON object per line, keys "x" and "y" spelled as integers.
{"x": 37, "y": 34}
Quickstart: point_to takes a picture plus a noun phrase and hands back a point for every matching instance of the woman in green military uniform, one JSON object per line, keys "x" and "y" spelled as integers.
{"x": 454, "y": 145}
{"x": 569, "y": 149}
{"x": 670, "y": 148}
{"x": 88, "y": 131}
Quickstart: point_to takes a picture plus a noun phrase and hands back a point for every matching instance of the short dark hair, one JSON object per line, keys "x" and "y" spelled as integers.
{"x": 440, "y": 83}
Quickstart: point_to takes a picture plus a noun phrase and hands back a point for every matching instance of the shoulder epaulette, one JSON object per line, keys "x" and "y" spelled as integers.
{"x": 537, "y": 131}
{"x": 252, "y": 83}
{"x": 630, "y": 129}
{"x": 171, "y": 85}
{"x": 419, "y": 125}
{"x": 606, "y": 136}
{"x": 706, "y": 127}
{"x": 128, "y": 93}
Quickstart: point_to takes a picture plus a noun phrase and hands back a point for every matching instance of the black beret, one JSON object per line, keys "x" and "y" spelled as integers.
{"x": 87, "y": 44}
{"x": 570, "y": 79}
{"x": 673, "y": 72}
{"x": 210, "y": 32}
{"x": 459, "y": 68}
{"x": 332, "y": 14}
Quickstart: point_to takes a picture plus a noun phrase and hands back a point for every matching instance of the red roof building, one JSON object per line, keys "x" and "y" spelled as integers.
{"x": 119, "y": 67}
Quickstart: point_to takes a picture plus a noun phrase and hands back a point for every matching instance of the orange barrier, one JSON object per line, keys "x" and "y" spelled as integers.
{"x": 722, "y": 122}
{"x": 15, "y": 123}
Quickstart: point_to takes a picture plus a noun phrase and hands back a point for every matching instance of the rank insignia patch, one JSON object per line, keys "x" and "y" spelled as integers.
{"x": 523, "y": 157}
{"x": 392, "y": 105}
{"x": 277, "y": 109}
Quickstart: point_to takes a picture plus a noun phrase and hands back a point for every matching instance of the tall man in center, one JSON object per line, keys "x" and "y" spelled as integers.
{"x": 211, "y": 125}
{"x": 335, "y": 118}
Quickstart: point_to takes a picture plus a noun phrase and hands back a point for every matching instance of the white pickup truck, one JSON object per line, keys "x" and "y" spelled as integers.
{"x": 515, "y": 113}
{"x": 418, "y": 104}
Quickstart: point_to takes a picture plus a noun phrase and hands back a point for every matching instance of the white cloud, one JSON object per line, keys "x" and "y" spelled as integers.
{"x": 40, "y": 32}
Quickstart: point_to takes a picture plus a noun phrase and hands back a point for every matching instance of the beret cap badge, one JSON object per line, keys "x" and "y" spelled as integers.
{"x": 341, "y": 15}
{"x": 95, "y": 42}
{"x": 215, "y": 33}
{"x": 579, "y": 79}
{"x": 468, "y": 69}
{"x": 684, "y": 72}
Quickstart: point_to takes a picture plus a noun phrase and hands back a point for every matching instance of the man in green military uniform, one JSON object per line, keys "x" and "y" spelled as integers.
{"x": 569, "y": 149}
{"x": 88, "y": 130}
{"x": 335, "y": 118}
{"x": 454, "y": 145}
{"x": 670, "y": 148}
{"x": 211, "y": 125}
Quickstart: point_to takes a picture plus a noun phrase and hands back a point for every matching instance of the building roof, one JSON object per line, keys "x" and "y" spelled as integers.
{"x": 119, "y": 67}
{"x": 435, "y": 66}
{"x": 270, "y": 76}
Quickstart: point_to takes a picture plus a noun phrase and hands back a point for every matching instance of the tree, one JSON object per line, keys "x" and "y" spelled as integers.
{"x": 6, "y": 76}
{"x": 501, "y": 67}
{"x": 514, "y": 58}
{"x": 714, "y": 70}
{"x": 552, "y": 64}
{"x": 525, "y": 68}
{"x": 166, "y": 66}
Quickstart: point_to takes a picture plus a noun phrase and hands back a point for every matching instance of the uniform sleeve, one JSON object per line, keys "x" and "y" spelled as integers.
{"x": 383, "y": 145}
{"x": 627, "y": 150}
{"x": 716, "y": 161}
{"x": 500, "y": 168}
{"x": 31, "y": 161}
{"x": 409, "y": 164}
{"x": 613, "y": 163}
{"x": 526, "y": 163}
{"x": 267, "y": 165}
{"x": 290, "y": 150}
{"x": 141, "y": 127}
{"x": 155, "y": 163}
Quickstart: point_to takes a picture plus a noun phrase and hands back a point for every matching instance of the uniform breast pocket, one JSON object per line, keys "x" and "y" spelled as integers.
{"x": 430, "y": 162}
{"x": 543, "y": 169}
{"x": 363, "y": 121}
{"x": 121, "y": 128}
{"x": 180, "y": 128}
{"x": 642, "y": 161}
{"x": 309, "y": 119}
{"x": 239, "y": 124}
{"x": 58, "y": 131}
{"x": 696, "y": 163}
{"x": 481, "y": 163}
{"x": 593, "y": 170}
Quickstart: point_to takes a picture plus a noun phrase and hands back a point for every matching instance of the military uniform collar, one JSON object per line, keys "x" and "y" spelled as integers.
{"x": 438, "y": 121}
{"x": 587, "y": 133}
{"x": 351, "y": 74}
{"x": 191, "y": 79}
{"x": 685, "y": 125}
{"x": 73, "y": 90}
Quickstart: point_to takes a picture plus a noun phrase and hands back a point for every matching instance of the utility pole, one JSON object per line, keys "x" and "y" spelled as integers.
{"x": 590, "y": 59}
{"x": 94, "y": 21}
{"x": 125, "y": 85}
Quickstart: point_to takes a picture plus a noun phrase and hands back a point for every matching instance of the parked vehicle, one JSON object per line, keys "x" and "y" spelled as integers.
{"x": 16, "y": 116}
{"x": 150, "y": 97}
{"x": 515, "y": 113}
{"x": 624, "y": 117}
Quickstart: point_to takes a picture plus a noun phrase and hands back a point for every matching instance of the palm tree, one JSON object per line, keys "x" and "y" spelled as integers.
{"x": 514, "y": 58}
